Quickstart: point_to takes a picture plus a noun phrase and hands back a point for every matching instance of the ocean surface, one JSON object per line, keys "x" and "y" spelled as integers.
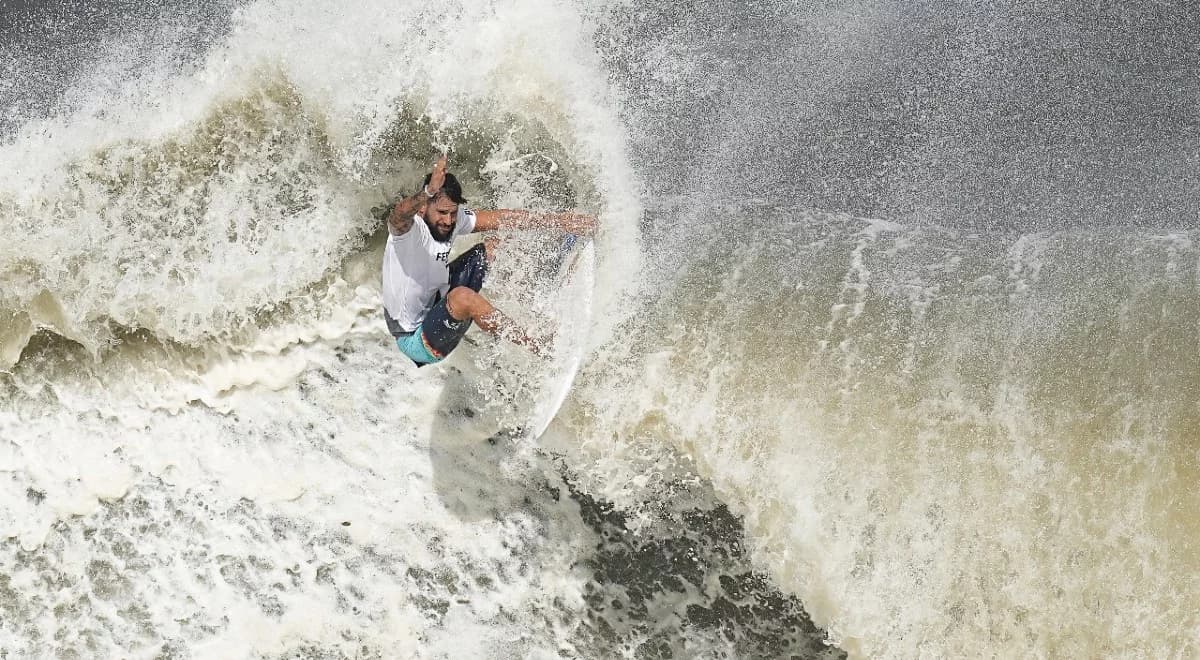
{"x": 894, "y": 352}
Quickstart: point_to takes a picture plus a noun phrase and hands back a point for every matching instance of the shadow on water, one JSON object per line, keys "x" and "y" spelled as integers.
{"x": 683, "y": 587}
{"x": 469, "y": 451}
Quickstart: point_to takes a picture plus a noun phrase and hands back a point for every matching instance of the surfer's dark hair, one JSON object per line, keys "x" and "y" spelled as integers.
{"x": 451, "y": 187}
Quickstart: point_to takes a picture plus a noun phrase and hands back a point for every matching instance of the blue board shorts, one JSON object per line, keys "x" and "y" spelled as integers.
{"x": 440, "y": 333}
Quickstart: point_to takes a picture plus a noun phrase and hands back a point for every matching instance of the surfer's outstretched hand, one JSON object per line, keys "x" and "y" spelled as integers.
{"x": 438, "y": 177}
{"x": 577, "y": 223}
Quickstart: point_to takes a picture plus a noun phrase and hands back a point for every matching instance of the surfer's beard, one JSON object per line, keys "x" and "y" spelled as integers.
{"x": 438, "y": 236}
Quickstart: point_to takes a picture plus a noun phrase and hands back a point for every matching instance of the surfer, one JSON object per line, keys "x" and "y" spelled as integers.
{"x": 429, "y": 302}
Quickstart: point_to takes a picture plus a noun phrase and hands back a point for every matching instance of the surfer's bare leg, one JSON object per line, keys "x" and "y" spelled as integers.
{"x": 462, "y": 304}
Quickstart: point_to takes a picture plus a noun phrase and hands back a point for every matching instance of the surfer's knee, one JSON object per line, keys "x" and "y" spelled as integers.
{"x": 464, "y": 303}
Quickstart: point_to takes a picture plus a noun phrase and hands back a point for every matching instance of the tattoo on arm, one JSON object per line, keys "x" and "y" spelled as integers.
{"x": 400, "y": 219}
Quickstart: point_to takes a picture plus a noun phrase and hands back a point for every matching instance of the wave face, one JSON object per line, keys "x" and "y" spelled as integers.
{"x": 948, "y": 444}
{"x": 880, "y": 343}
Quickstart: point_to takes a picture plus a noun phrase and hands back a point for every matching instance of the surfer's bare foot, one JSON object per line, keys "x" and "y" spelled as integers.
{"x": 545, "y": 346}
{"x": 541, "y": 347}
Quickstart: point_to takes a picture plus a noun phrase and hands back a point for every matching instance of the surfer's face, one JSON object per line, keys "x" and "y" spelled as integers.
{"x": 441, "y": 214}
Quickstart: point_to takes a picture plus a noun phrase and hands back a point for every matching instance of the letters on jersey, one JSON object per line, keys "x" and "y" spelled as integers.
{"x": 415, "y": 269}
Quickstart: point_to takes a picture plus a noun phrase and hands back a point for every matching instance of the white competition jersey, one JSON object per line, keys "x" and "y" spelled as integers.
{"x": 415, "y": 267}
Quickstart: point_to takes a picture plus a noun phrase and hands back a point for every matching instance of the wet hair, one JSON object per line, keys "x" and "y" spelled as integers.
{"x": 450, "y": 187}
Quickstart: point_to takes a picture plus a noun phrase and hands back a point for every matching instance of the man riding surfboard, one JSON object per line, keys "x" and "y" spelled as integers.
{"x": 430, "y": 302}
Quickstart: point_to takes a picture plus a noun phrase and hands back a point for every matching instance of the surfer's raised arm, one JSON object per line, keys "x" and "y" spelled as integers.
{"x": 400, "y": 220}
{"x": 576, "y": 223}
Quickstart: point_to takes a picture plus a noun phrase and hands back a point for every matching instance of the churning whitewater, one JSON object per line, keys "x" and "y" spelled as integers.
{"x": 884, "y": 360}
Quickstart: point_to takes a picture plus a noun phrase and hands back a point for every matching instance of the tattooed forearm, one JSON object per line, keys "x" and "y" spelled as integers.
{"x": 401, "y": 217}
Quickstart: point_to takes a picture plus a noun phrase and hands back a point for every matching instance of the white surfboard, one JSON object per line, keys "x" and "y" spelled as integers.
{"x": 573, "y": 312}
